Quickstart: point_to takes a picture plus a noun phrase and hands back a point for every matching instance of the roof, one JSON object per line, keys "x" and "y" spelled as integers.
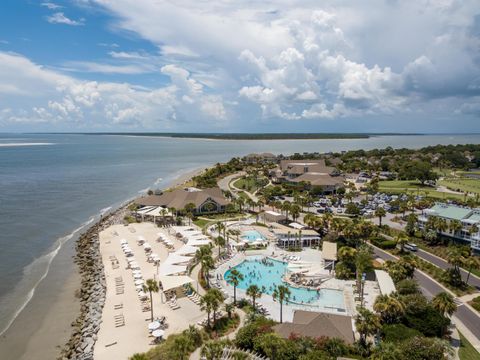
{"x": 385, "y": 282}
{"x": 319, "y": 179}
{"x": 329, "y": 250}
{"x": 450, "y": 211}
{"x": 170, "y": 269}
{"x": 314, "y": 325}
{"x": 172, "y": 282}
{"x": 285, "y": 230}
{"x": 179, "y": 198}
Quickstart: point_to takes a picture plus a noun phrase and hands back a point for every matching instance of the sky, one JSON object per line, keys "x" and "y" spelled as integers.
{"x": 240, "y": 65}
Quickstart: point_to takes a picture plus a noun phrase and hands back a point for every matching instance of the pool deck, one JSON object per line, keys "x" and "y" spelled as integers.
{"x": 288, "y": 309}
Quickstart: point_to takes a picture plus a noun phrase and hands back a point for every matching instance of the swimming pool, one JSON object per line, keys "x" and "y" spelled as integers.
{"x": 268, "y": 275}
{"x": 253, "y": 235}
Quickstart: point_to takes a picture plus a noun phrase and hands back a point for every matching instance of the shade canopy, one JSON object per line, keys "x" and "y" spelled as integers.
{"x": 385, "y": 282}
{"x": 186, "y": 250}
{"x": 153, "y": 325}
{"x": 177, "y": 259}
{"x": 172, "y": 282}
{"x": 158, "y": 333}
{"x": 170, "y": 269}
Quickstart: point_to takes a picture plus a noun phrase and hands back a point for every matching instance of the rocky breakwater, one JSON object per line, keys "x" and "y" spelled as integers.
{"x": 92, "y": 291}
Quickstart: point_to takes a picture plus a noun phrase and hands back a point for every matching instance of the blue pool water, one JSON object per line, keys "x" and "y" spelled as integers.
{"x": 269, "y": 276}
{"x": 252, "y": 235}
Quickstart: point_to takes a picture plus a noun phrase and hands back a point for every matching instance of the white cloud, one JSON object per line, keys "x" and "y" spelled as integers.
{"x": 51, "y": 5}
{"x": 60, "y": 18}
{"x": 67, "y": 100}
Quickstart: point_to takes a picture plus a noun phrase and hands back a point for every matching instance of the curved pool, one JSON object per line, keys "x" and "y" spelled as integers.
{"x": 268, "y": 274}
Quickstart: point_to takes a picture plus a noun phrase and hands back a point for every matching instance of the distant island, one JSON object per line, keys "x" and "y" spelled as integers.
{"x": 254, "y": 136}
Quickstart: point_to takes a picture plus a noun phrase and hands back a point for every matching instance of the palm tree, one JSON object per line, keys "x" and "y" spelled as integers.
{"x": 151, "y": 286}
{"x": 210, "y": 302}
{"x": 455, "y": 226}
{"x": 444, "y": 303}
{"x": 235, "y": 277}
{"x": 380, "y": 213}
{"x": 286, "y": 207}
{"x": 220, "y": 242}
{"x": 204, "y": 257}
{"x": 189, "y": 210}
{"x": 229, "y": 308}
{"x": 282, "y": 294}
{"x": 401, "y": 239}
{"x": 389, "y": 308}
{"x": 367, "y": 323}
{"x": 470, "y": 263}
{"x": 255, "y": 293}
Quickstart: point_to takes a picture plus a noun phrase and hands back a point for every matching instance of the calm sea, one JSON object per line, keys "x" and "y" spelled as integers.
{"x": 51, "y": 186}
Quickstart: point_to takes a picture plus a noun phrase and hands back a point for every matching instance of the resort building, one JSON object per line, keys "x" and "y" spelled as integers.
{"x": 467, "y": 217}
{"x": 309, "y": 174}
{"x": 260, "y": 158}
{"x": 209, "y": 200}
{"x": 272, "y": 216}
{"x": 287, "y": 236}
{"x": 317, "y": 324}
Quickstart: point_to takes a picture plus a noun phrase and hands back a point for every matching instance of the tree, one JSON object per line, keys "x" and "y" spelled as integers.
{"x": 389, "y": 308}
{"x": 470, "y": 263}
{"x": 151, "y": 286}
{"x": 367, "y": 323}
{"x": 255, "y": 293}
{"x": 411, "y": 226}
{"x": 401, "y": 240}
{"x": 281, "y": 294}
{"x": 204, "y": 257}
{"x": 210, "y": 302}
{"x": 417, "y": 170}
{"x": 235, "y": 277}
{"x": 444, "y": 303}
{"x": 220, "y": 242}
{"x": 229, "y": 308}
{"x": 189, "y": 210}
{"x": 455, "y": 226}
{"x": 424, "y": 348}
{"x": 380, "y": 213}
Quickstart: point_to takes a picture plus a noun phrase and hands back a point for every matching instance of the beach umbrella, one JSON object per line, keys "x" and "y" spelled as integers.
{"x": 139, "y": 282}
{"x": 142, "y": 295}
{"x": 123, "y": 241}
{"x": 158, "y": 333}
{"x": 137, "y": 276}
{"x": 153, "y": 325}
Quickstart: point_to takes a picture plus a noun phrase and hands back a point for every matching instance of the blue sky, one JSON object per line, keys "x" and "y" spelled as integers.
{"x": 287, "y": 65}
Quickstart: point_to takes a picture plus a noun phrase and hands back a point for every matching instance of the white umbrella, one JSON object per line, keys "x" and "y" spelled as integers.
{"x": 139, "y": 282}
{"x": 137, "y": 276}
{"x": 153, "y": 325}
{"x": 132, "y": 260}
{"x": 123, "y": 241}
{"x": 158, "y": 333}
{"x": 142, "y": 295}
{"x": 147, "y": 246}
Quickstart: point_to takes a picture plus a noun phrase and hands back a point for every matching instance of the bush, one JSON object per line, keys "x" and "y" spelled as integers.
{"x": 398, "y": 332}
{"x": 476, "y": 303}
{"x": 407, "y": 287}
{"x": 428, "y": 321}
{"x": 382, "y": 243}
{"x": 246, "y": 336}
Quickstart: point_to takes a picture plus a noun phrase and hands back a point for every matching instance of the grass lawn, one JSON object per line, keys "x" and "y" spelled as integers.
{"x": 467, "y": 351}
{"x": 462, "y": 184}
{"x": 202, "y": 223}
{"x": 248, "y": 184}
{"x": 402, "y": 186}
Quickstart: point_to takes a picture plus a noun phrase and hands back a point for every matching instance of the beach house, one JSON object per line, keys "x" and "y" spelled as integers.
{"x": 206, "y": 201}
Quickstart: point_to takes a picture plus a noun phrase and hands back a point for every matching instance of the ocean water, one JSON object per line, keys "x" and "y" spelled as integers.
{"x": 53, "y": 186}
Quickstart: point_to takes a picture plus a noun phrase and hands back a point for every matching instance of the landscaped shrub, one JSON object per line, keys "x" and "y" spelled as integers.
{"x": 476, "y": 303}
{"x": 428, "y": 321}
{"x": 382, "y": 243}
{"x": 398, "y": 332}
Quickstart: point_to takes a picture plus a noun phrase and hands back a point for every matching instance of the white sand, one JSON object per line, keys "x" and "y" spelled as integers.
{"x": 122, "y": 342}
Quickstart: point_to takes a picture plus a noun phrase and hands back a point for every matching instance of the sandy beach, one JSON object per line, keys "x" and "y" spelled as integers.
{"x": 44, "y": 326}
{"x": 121, "y": 341}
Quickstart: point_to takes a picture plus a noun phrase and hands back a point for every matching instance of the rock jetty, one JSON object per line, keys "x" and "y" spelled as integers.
{"x": 92, "y": 290}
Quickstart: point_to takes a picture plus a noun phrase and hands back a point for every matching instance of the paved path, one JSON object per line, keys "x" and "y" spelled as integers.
{"x": 224, "y": 183}
{"x": 466, "y": 319}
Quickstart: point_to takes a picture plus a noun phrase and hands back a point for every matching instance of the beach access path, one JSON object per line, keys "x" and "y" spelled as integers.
{"x": 133, "y": 337}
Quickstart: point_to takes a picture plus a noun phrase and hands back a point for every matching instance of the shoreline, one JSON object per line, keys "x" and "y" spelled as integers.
{"x": 57, "y": 296}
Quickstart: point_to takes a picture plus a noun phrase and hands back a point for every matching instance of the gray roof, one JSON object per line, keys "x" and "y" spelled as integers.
{"x": 179, "y": 198}
{"x": 314, "y": 325}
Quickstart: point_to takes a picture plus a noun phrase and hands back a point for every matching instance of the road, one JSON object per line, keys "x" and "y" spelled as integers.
{"x": 473, "y": 280}
{"x": 470, "y": 319}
